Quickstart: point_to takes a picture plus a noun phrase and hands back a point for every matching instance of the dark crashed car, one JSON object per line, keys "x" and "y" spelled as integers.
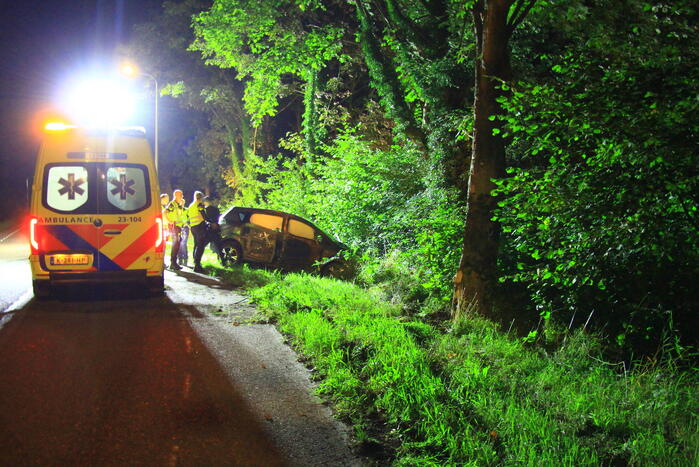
{"x": 279, "y": 239}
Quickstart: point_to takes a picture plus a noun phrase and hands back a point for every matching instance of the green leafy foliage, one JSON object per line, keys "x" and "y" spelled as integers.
{"x": 419, "y": 58}
{"x": 374, "y": 200}
{"x": 265, "y": 42}
{"x": 600, "y": 212}
{"x": 204, "y": 127}
{"x": 598, "y": 216}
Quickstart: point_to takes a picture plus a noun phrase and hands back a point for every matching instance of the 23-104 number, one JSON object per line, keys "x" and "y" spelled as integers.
{"x": 129, "y": 219}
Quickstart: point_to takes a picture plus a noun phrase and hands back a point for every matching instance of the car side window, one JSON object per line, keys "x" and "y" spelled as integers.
{"x": 267, "y": 221}
{"x": 301, "y": 229}
{"x": 66, "y": 187}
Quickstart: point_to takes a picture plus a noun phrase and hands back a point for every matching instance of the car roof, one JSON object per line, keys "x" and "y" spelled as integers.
{"x": 260, "y": 210}
{"x": 271, "y": 211}
{"x": 278, "y": 213}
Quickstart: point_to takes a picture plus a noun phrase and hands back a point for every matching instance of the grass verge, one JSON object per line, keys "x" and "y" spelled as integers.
{"x": 471, "y": 394}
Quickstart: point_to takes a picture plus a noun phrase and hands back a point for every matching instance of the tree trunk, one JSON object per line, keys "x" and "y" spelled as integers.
{"x": 476, "y": 275}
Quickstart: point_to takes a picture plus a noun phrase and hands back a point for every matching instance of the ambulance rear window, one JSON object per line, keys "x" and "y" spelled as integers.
{"x": 126, "y": 188}
{"x": 96, "y": 188}
{"x": 66, "y": 187}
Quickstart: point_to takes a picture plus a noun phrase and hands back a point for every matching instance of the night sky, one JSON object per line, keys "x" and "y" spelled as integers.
{"x": 44, "y": 44}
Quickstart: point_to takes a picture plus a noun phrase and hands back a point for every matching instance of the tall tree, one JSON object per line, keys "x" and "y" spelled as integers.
{"x": 417, "y": 54}
{"x": 494, "y": 22}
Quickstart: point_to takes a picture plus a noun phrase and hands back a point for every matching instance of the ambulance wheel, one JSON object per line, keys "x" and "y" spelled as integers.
{"x": 42, "y": 289}
{"x": 231, "y": 252}
{"x": 156, "y": 285}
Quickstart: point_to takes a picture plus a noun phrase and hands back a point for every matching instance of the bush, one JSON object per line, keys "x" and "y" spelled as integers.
{"x": 600, "y": 212}
{"x": 377, "y": 201}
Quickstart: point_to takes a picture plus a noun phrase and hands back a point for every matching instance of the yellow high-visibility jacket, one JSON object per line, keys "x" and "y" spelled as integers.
{"x": 195, "y": 212}
{"x": 175, "y": 214}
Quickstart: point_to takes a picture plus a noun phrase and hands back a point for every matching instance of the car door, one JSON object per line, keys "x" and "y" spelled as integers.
{"x": 300, "y": 248}
{"x": 262, "y": 237}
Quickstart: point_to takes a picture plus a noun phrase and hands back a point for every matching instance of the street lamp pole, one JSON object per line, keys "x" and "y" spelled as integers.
{"x": 155, "y": 81}
{"x": 131, "y": 70}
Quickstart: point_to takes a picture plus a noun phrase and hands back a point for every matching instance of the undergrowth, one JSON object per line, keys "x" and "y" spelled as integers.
{"x": 471, "y": 394}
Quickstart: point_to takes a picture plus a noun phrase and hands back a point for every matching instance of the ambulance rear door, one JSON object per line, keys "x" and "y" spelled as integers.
{"x": 69, "y": 232}
{"x": 129, "y": 230}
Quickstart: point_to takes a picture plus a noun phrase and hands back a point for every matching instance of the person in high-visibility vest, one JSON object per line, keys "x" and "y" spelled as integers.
{"x": 198, "y": 228}
{"x": 184, "y": 230}
{"x": 176, "y": 216}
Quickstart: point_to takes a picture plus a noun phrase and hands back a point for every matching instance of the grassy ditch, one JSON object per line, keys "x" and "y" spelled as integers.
{"x": 471, "y": 394}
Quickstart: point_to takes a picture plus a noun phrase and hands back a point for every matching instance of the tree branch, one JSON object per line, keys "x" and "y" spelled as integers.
{"x": 384, "y": 75}
{"x": 521, "y": 11}
{"x": 514, "y": 13}
{"x": 478, "y": 12}
{"x": 437, "y": 8}
{"x": 432, "y": 38}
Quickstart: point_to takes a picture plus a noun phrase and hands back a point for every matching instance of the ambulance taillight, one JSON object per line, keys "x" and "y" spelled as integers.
{"x": 159, "y": 243}
{"x": 33, "y": 238}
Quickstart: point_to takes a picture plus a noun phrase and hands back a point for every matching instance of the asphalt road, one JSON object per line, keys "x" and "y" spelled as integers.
{"x": 105, "y": 376}
{"x": 15, "y": 276}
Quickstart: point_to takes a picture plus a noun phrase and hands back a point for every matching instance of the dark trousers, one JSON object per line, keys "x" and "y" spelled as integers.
{"x": 199, "y": 232}
{"x": 215, "y": 242}
{"x": 182, "y": 255}
{"x": 175, "y": 237}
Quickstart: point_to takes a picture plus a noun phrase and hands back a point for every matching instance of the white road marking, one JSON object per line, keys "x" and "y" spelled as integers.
{"x": 6, "y": 315}
{"x": 9, "y": 235}
{"x": 20, "y": 302}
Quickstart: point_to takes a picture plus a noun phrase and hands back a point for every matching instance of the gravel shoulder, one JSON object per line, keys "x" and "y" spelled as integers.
{"x": 264, "y": 370}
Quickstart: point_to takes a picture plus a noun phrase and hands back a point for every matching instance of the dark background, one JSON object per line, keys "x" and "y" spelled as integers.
{"x": 44, "y": 44}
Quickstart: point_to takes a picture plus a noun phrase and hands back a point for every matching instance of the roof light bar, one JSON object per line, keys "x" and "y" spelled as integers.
{"x": 58, "y": 126}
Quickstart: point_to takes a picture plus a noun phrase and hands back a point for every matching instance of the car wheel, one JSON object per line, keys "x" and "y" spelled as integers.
{"x": 231, "y": 252}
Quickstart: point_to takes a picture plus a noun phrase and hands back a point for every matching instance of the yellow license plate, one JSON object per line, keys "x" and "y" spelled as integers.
{"x": 69, "y": 260}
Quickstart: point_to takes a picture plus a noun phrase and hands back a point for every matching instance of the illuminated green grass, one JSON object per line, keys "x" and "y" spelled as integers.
{"x": 472, "y": 395}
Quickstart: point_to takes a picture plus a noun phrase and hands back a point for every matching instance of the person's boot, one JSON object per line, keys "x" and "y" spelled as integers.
{"x": 198, "y": 268}
{"x": 174, "y": 267}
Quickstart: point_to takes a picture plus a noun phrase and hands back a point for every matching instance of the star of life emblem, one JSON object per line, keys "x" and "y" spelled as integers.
{"x": 67, "y": 187}
{"x": 122, "y": 186}
{"x": 71, "y": 186}
{"x": 126, "y": 188}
